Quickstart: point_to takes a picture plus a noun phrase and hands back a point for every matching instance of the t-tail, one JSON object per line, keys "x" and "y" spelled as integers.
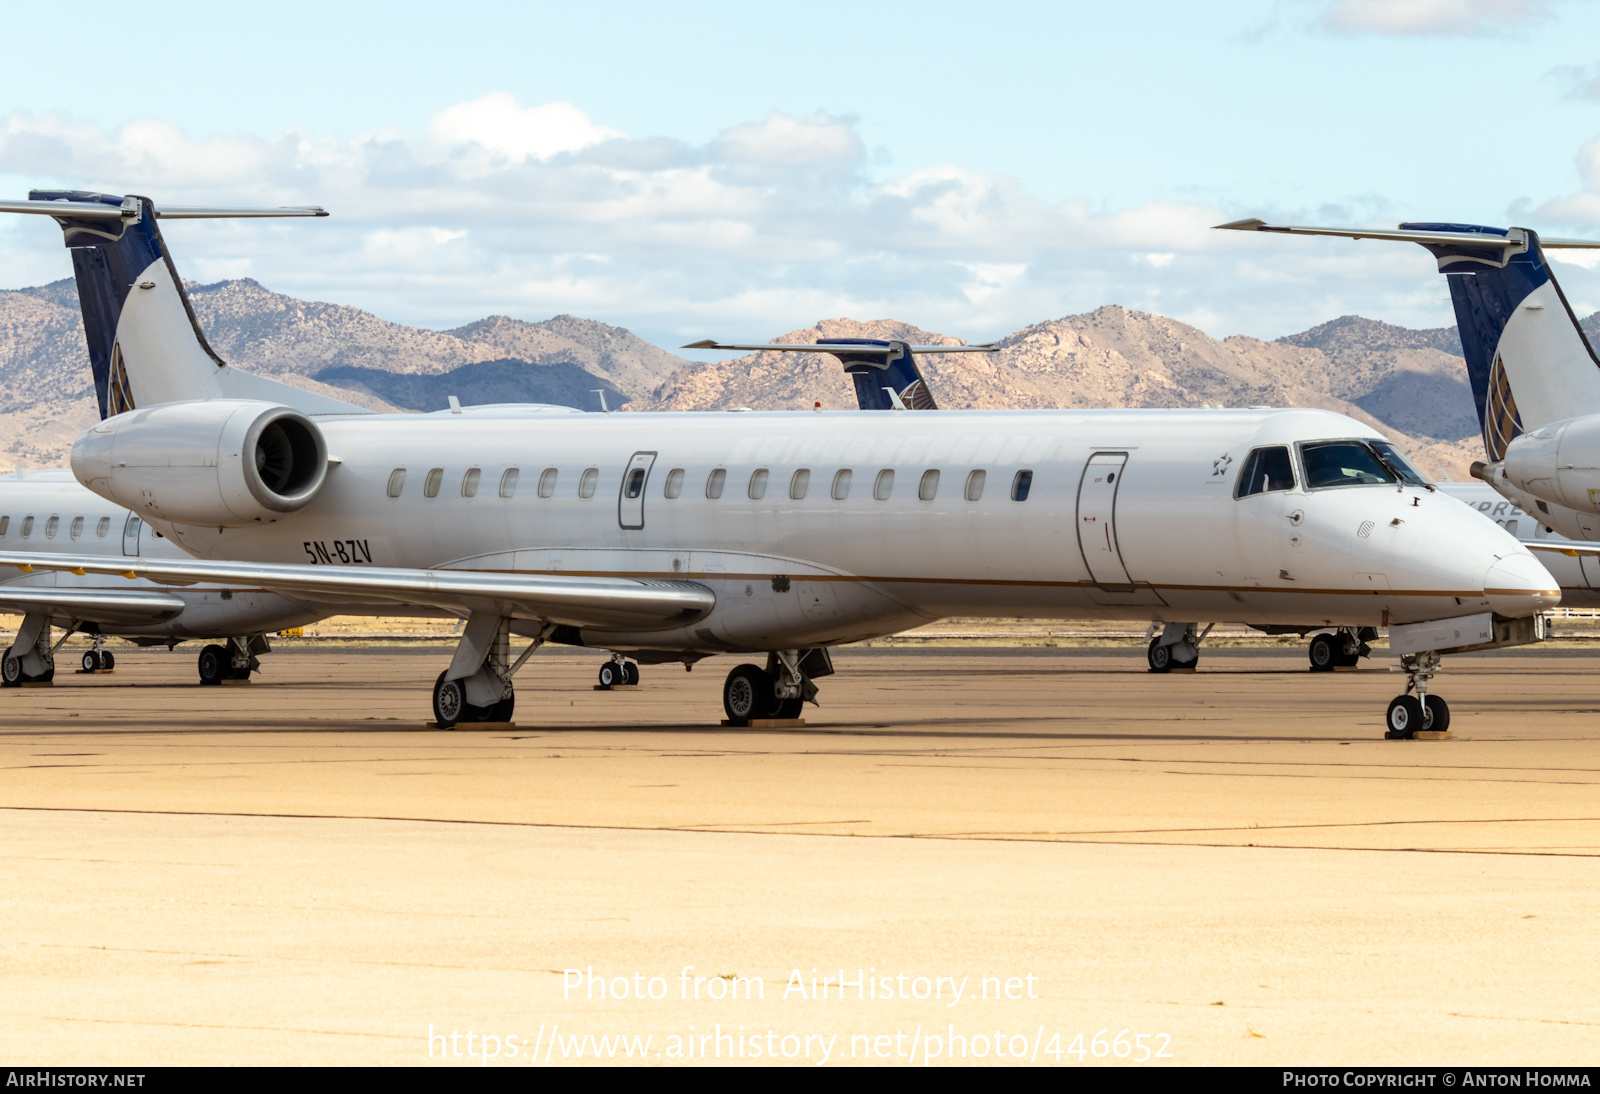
{"x": 885, "y": 371}
{"x": 1527, "y": 358}
{"x": 145, "y": 345}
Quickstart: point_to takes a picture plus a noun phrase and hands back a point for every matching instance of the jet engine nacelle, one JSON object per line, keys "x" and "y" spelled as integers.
{"x": 1559, "y": 462}
{"x": 220, "y": 462}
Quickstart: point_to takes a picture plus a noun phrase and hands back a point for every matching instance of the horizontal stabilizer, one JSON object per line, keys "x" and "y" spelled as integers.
{"x": 552, "y": 598}
{"x": 129, "y": 210}
{"x": 1488, "y": 240}
{"x": 842, "y": 347}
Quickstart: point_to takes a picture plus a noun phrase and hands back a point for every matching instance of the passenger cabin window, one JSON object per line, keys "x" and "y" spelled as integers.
{"x": 469, "y": 482}
{"x": 928, "y": 488}
{"x": 51, "y": 525}
{"x": 508, "y": 482}
{"x": 1266, "y": 470}
{"x": 1343, "y": 463}
{"x": 633, "y": 486}
{"x": 975, "y": 485}
{"x": 547, "y": 483}
{"x": 883, "y": 486}
{"x": 674, "y": 485}
{"x": 715, "y": 482}
{"x": 587, "y": 483}
{"x": 430, "y": 485}
{"x": 758, "y": 484}
{"x": 799, "y": 483}
{"x": 1021, "y": 485}
{"x": 103, "y": 528}
{"x": 841, "y": 485}
{"x": 1511, "y": 526}
{"x": 5, "y": 525}
{"x": 77, "y": 528}
{"x": 397, "y": 483}
{"x": 27, "y": 527}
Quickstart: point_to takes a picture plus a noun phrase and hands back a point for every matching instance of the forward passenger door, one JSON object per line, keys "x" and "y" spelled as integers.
{"x": 630, "y": 497}
{"x": 1097, "y": 520}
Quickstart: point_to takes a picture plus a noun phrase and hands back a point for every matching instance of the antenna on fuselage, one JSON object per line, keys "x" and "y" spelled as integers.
{"x": 600, "y": 391}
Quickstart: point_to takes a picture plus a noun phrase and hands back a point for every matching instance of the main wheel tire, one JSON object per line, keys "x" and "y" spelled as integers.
{"x": 502, "y": 711}
{"x": 1325, "y": 652}
{"x": 108, "y": 660}
{"x": 630, "y": 673}
{"x": 747, "y": 695}
{"x": 789, "y": 708}
{"x": 450, "y": 702}
{"x": 1437, "y": 715}
{"x": 1404, "y": 717}
{"x": 10, "y": 670}
{"x": 91, "y": 662}
{"x": 1160, "y": 656}
{"x": 610, "y": 675}
{"x": 215, "y": 665}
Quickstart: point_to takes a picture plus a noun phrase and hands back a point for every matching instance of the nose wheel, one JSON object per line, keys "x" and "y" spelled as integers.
{"x": 617, "y": 672}
{"x": 1410, "y": 714}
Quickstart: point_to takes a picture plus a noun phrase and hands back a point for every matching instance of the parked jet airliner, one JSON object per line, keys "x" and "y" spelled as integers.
{"x": 679, "y": 536}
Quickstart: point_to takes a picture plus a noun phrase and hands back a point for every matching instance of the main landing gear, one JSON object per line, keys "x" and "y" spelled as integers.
{"x": 780, "y": 691}
{"x": 477, "y": 685}
{"x": 618, "y": 671}
{"x": 1343, "y": 649}
{"x": 31, "y": 658}
{"x": 1410, "y": 713}
{"x": 234, "y": 661}
{"x": 1177, "y": 647}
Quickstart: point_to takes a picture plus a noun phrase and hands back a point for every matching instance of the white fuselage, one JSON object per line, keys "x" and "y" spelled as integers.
{"x": 1129, "y": 514}
{"x": 49, "y": 512}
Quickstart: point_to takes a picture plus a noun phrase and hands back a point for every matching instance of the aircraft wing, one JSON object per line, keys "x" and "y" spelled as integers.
{"x": 551, "y": 598}
{"x": 94, "y": 605}
{"x": 1570, "y": 548}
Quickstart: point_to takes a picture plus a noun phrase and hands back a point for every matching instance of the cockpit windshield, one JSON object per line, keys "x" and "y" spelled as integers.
{"x": 1345, "y": 463}
{"x": 1404, "y": 468}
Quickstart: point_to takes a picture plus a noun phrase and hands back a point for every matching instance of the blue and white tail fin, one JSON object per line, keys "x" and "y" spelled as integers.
{"x": 145, "y": 345}
{"x": 1528, "y": 360}
{"x": 885, "y": 371}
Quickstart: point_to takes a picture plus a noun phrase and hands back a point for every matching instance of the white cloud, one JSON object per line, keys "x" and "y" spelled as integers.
{"x": 1426, "y": 18}
{"x": 770, "y": 226}
{"x": 505, "y": 129}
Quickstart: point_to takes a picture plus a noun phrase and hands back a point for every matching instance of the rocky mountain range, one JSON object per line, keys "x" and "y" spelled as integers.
{"x": 1411, "y": 384}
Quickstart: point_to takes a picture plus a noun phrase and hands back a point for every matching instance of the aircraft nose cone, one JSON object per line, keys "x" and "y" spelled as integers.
{"x": 1517, "y": 585}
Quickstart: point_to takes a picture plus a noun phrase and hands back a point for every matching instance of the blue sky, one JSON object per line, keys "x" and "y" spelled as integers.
{"x": 739, "y": 170}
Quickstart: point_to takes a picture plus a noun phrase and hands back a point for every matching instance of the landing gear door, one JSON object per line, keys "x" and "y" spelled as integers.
{"x": 630, "y": 498}
{"x": 1097, "y": 528}
{"x": 130, "y": 536}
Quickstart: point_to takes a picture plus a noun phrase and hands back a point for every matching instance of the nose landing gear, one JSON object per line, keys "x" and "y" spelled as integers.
{"x": 618, "y": 672}
{"x": 1409, "y": 714}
